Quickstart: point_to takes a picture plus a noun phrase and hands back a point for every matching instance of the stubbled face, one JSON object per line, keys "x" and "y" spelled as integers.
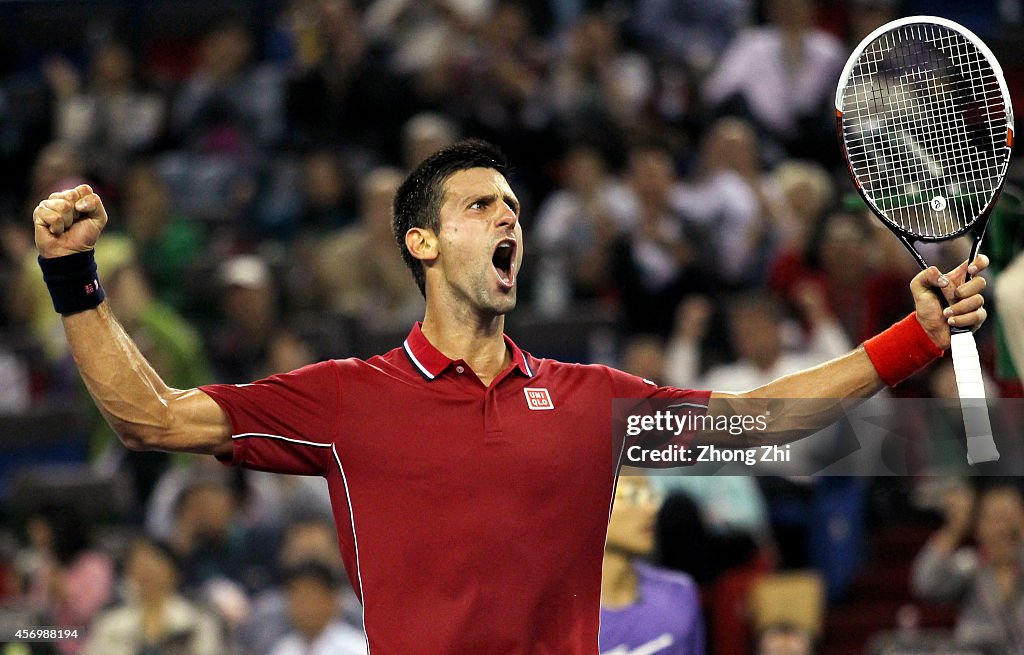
{"x": 631, "y": 527}
{"x": 480, "y": 244}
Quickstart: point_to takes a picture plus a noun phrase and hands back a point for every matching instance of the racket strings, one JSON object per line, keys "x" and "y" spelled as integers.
{"x": 924, "y": 122}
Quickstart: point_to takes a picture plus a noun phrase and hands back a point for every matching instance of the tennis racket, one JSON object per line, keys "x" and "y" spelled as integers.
{"x": 925, "y": 123}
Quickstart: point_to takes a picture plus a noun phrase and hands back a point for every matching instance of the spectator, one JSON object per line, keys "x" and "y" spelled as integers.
{"x": 574, "y": 229}
{"x": 734, "y": 208}
{"x": 109, "y": 119}
{"x": 308, "y": 538}
{"x": 598, "y": 89}
{"x": 312, "y": 590}
{"x": 249, "y": 307}
{"x": 359, "y": 272}
{"x": 644, "y": 608}
{"x": 757, "y": 331}
{"x": 985, "y": 580}
{"x": 222, "y": 559}
{"x": 781, "y": 76}
{"x": 14, "y": 384}
{"x": 229, "y": 104}
{"x": 154, "y": 618}
{"x": 693, "y": 31}
{"x": 507, "y": 66}
{"x": 228, "y": 111}
{"x": 807, "y": 194}
{"x": 425, "y": 35}
{"x": 326, "y": 193}
{"x": 344, "y": 94}
{"x": 168, "y": 243}
{"x": 654, "y": 264}
{"x": 424, "y": 134}
{"x": 67, "y": 579}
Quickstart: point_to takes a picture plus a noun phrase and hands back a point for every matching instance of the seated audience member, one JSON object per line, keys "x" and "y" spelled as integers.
{"x": 309, "y": 538}
{"x": 67, "y": 580}
{"x": 248, "y": 303}
{"x": 312, "y": 589}
{"x": 986, "y": 580}
{"x": 644, "y": 608}
{"x": 154, "y": 618}
{"x": 358, "y": 271}
{"x": 210, "y": 540}
{"x": 168, "y": 243}
{"x": 784, "y": 639}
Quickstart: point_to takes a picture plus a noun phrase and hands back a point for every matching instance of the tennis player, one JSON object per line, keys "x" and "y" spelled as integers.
{"x": 471, "y": 481}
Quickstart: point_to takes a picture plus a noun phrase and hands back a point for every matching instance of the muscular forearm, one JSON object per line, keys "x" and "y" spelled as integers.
{"x": 850, "y": 376}
{"x": 145, "y": 412}
{"x": 797, "y": 405}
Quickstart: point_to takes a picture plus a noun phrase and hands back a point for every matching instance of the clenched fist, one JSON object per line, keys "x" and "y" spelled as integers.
{"x": 68, "y": 222}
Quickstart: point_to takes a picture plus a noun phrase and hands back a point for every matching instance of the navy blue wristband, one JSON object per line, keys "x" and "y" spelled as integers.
{"x": 73, "y": 282}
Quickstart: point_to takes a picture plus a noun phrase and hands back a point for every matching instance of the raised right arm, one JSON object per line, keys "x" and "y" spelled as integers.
{"x": 145, "y": 412}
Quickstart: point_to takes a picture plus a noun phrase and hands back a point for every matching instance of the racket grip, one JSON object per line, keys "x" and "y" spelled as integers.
{"x": 971, "y": 387}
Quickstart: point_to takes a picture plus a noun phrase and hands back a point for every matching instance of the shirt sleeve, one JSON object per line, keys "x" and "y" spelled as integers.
{"x": 286, "y": 423}
{"x": 636, "y": 393}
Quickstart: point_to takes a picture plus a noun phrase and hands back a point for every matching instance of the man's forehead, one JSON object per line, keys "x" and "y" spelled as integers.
{"x": 476, "y": 180}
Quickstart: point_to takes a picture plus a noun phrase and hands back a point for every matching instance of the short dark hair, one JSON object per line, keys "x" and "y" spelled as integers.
{"x": 418, "y": 201}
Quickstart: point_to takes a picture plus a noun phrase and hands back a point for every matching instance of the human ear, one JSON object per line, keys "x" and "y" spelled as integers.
{"x": 422, "y": 243}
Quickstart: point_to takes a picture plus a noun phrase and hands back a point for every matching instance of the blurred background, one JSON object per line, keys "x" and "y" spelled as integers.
{"x": 687, "y": 218}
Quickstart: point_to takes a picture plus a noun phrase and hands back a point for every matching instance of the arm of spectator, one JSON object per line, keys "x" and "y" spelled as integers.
{"x": 145, "y": 412}
{"x": 942, "y": 571}
{"x": 733, "y": 69}
{"x": 827, "y": 338}
{"x": 682, "y": 357}
{"x": 941, "y": 576}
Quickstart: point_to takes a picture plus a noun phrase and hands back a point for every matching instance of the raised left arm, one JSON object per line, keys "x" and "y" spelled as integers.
{"x": 883, "y": 360}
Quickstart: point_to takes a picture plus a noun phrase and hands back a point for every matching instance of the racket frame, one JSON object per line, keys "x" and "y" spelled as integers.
{"x": 980, "y": 446}
{"x": 977, "y": 227}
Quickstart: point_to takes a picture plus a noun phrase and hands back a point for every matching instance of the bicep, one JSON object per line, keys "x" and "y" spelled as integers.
{"x": 200, "y": 425}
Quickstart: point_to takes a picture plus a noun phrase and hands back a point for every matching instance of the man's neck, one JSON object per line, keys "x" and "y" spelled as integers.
{"x": 479, "y": 341}
{"x": 619, "y": 586}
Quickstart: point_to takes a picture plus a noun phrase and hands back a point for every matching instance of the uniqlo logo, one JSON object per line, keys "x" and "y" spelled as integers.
{"x": 538, "y": 399}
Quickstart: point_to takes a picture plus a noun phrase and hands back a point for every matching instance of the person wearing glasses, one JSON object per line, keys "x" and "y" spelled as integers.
{"x": 644, "y": 609}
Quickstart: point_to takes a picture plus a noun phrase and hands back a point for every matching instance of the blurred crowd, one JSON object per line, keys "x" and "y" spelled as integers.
{"x": 680, "y": 178}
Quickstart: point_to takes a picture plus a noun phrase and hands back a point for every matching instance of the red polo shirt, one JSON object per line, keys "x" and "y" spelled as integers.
{"x": 471, "y": 519}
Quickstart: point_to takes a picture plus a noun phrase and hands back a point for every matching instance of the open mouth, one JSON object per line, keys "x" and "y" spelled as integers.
{"x": 504, "y": 262}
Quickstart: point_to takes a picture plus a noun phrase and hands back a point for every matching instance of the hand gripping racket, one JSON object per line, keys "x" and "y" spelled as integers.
{"x": 926, "y": 126}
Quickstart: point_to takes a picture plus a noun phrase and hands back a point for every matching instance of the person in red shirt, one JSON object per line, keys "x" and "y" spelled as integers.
{"x": 471, "y": 481}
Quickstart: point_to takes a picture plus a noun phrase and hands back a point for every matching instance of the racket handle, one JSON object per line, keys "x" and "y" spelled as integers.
{"x": 971, "y": 387}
